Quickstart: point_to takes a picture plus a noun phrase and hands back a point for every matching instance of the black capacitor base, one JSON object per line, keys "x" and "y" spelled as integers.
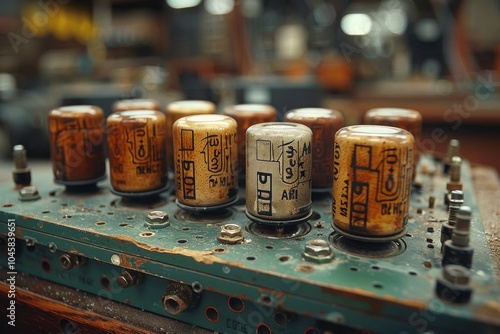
{"x": 457, "y": 255}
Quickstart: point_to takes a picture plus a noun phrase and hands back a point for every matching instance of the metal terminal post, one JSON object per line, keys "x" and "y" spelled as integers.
{"x": 21, "y": 173}
{"x": 456, "y": 201}
{"x": 455, "y": 173}
{"x": 157, "y": 219}
{"x": 127, "y": 279}
{"x": 230, "y": 234}
{"x": 29, "y": 193}
{"x": 69, "y": 261}
{"x": 453, "y": 151}
{"x": 457, "y": 250}
{"x": 318, "y": 251}
{"x": 454, "y": 285}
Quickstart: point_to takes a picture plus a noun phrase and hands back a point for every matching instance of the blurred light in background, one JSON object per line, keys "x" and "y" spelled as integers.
{"x": 219, "y": 7}
{"x": 356, "y": 24}
{"x": 396, "y": 21}
{"x": 179, "y": 4}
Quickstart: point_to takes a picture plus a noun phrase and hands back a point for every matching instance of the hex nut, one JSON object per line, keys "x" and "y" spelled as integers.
{"x": 318, "y": 251}
{"x": 157, "y": 219}
{"x": 177, "y": 298}
{"x": 230, "y": 234}
{"x": 454, "y": 285}
{"x": 127, "y": 279}
{"x": 29, "y": 193}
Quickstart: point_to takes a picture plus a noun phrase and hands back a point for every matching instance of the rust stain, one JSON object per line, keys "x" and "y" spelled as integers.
{"x": 139, "y": 262}
{"x": 205, "y": 257}
{"x": 19, "y": 233}
{"x": 124, "y": 260}
{"x": 490, "y": 309}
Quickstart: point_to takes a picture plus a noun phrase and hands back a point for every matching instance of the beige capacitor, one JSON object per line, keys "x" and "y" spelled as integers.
{"x": 408, "y": 119}
{"x": 77, "y": 144}
{"x": 247, "y": 115}
{"x": 278, "y": 178}
{"x": 372, "y": 179}
{"x": 179, "y": 109}
{"x": 206, "y": 162}
{"x": 137, "y": 152}
{"x": 324, "y": 123}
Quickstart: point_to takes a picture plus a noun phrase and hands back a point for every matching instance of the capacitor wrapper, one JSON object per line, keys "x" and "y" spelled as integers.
{"x": 324, "y": 123}
{"x": 278, "y": 179}
{"x": 137, "y": 152}
{"x": 77, "y": 144}
{"x": 206, "y": 162}
{"x": 372, "y": 181}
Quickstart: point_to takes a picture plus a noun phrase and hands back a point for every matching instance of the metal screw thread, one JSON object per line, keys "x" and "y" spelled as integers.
{"x": 455, "y": 169}
{"x": 456, "y": 201}
{"x": 19, "y": 155}
{"x": 461, "y": 232}
{"x": 453, "y": 149}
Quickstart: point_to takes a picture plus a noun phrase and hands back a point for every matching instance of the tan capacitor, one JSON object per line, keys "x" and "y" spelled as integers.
{"x": 247, "y": 115}
{"x": 136, "y": 145}
{"x": 278, "y": 179}
{"x": 324, "y": 123}
{"x": 179, "y": 109}
{"x": 136, "y": 104}
{"x": 372, "y": 181}
{"x": 77, "y": 144}
{"x": 408, "y": 119}
{"x": 206, "y": 162}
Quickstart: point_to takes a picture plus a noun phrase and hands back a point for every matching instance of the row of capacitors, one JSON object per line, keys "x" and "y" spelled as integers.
{"x": 371, "y": 166}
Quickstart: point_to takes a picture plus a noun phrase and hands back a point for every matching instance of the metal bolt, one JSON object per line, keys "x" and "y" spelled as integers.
{"x": 461, "y": 232}
{"x": 456, "y": 274}
{"x": 52, "y": 247}
{"x": 127, "y": 279}
{"x": 230, "y": 234}
{"x": 432, "y": 202}
{"x": 318, "y": 251}
{"x": 178, "y": 297}
{"x": 456, "y": 201}
{"x": 157, "y": 219}
{"x": 453, "y": 151}
{"x": 19, "y": 155}
{"x": 29, "y": 193}
{"x": 70, "y": 261}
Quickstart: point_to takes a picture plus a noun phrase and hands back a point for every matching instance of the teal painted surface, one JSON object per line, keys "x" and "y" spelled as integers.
{"x": 390, "y": 294}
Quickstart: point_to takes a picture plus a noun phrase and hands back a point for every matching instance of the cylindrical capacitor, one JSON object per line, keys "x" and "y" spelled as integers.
{"x": 278, "y": 179}
{"x": 136, "y": 104}
{"x": 206, "y": 162}
{"x": 408, "y": 119}
{"x": 372, "y": 181}
{"x": 324, "y": 123}
{"x": 136, "y": 145}
{"x": 247, "y": 115}
{"x": 77, "y": 144}
{"x": 179, "y": 109}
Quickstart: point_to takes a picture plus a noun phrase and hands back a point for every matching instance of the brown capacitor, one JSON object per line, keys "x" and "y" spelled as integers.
{"x": 324, "y": 123}
{"x": 247, "y": 115}
{"x": 77, "y": 144}
{"x": 206, "y": 162}
{"x": 136, "y": 104}
{"x": 278, "y": 179}
{"x": 179, "y": 109}
{"x": 372, "y": 181}
{"x": 136, "y": 145}
{"x": 408, "y": 119}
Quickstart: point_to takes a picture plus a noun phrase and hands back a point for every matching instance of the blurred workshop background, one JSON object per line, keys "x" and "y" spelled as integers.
{"x": 440, "y": 57}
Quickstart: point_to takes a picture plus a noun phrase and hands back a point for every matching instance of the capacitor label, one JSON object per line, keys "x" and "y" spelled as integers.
{"x": 372, "y": 183}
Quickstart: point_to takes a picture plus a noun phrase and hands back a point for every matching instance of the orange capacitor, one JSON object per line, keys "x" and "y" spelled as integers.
{"x": 206, "y": 162}
{"x": 136, "y": 104}
{"x": 137, "y": 159}
{"x": 247, "y": 115}
{"x": 278, "y": 179}
{"x": 179, "y": 109}
{"x": 77, "y": 144}
{"x": 408, "y": 119}
{"x": 324, "y": 123}
{"x": 372, "y": 181}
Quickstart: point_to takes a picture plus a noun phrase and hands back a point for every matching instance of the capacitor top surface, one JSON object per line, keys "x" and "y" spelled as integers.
{"x": 77, "y": 144}
{"x": 324, "y": 123}
{"x": 247, "y": 115}
{"x": 278, "y": 178}
{"x": 372, "y": 181}
{"x": 179, "y": 109}
{"x": 136, "y": 144}
{"x": 137, "y": 104}
{"x": 206, "y": 162}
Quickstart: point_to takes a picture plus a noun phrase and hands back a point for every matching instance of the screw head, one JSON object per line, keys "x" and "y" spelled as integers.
{"x": 157, "y": 219}
{"x": 456, "y": 274}
{"x": 230, "y": 234}
{"x": 28, "y": 193}
{"x": 318, "y": 251}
